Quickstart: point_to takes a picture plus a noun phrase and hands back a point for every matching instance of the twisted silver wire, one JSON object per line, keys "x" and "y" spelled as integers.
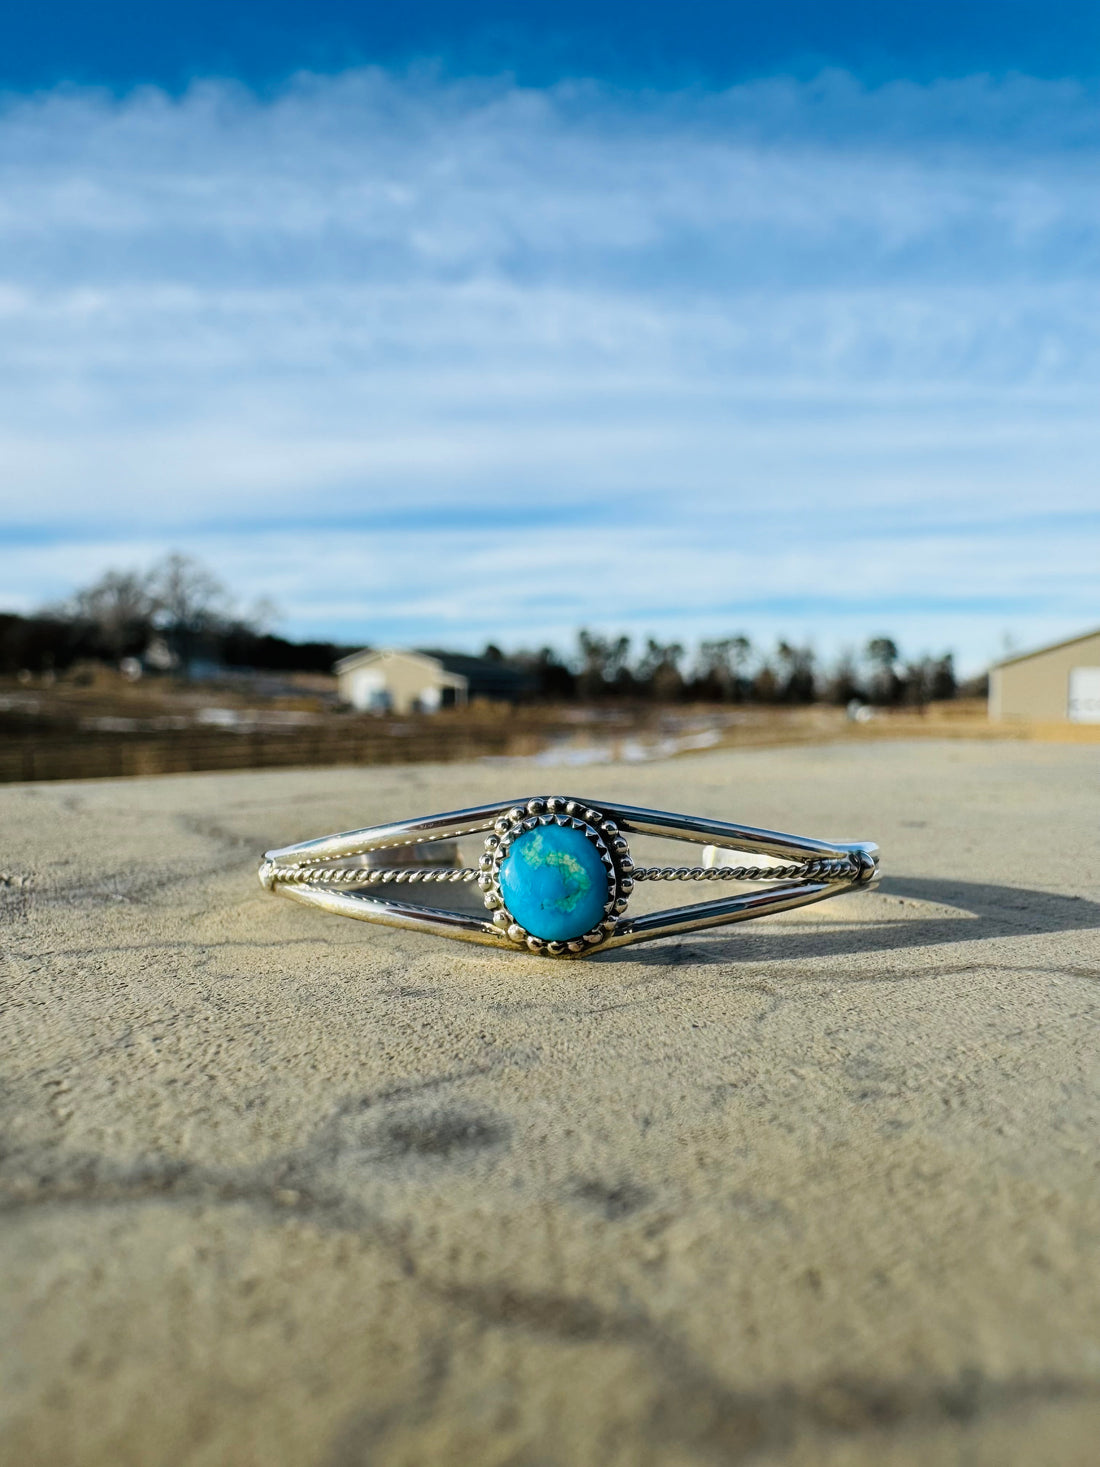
{"x": 366, "y": 876}
{"x": 352, "y": 876}
{"x": 831, "y": 870}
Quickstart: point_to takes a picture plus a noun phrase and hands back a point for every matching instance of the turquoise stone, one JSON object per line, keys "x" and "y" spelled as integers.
{"x": 554, "y": 882}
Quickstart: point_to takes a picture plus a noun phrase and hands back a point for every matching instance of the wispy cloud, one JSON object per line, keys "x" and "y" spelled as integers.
{"x": 801, "y": 357}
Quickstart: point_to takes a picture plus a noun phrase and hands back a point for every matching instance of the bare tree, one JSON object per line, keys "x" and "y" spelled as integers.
{"x": 119, "y": 607}
{"x": 603, "y": 660}
{"x": 882, "y": 653}
{"x": 765, "y": 684}
{"x": 929, "y": 680}
{"x": 844, "y": 684}
{"x": 721, "y": 665}
{"x": 189, "y": 599}
{"x": 659, "y": 666}
{"x": 798, "y": 672}
{"x": 944, "y": 682}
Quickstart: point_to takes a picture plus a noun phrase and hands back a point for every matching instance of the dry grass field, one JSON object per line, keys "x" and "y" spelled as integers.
{"x": 99, "y": 726}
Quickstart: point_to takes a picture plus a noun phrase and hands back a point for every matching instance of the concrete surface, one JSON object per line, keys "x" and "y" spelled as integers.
{"x": 279, "y": 1188}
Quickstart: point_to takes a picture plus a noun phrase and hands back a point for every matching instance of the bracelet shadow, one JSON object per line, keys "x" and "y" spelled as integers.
{"x": 980, "y": 910}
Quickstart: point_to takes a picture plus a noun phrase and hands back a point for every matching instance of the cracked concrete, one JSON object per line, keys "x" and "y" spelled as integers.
{"x": 277, "y": 1188}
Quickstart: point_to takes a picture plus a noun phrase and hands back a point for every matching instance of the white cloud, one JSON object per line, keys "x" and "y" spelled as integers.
{"x": 803, "y": 358}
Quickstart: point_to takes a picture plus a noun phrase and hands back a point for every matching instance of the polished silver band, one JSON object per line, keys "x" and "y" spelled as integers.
{"x": 347, "y": 874}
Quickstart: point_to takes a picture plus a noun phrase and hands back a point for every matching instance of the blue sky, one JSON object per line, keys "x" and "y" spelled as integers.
{"x": 681, "y": 321}
{"x": 634, "y": 43}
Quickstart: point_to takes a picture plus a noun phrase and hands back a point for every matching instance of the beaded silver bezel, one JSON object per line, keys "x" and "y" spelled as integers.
{"x": 578, "y": 815}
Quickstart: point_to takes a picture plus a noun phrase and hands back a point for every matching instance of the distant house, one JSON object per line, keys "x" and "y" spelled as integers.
{"x": 388, "y": 680}
{"x": 1056, "y": 684}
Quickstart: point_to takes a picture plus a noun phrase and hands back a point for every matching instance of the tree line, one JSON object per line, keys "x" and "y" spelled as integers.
{"x": 735, "y": 670}
{"x": 177, "y": 614}
{"x": 169, "y": 617}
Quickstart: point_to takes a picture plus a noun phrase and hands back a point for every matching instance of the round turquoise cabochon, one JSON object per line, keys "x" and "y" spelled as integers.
{"x": 554, "y": 882}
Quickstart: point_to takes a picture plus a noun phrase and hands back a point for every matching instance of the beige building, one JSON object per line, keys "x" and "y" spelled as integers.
{"x": 387, "y": 680}
{"x": 1053, "y": 685}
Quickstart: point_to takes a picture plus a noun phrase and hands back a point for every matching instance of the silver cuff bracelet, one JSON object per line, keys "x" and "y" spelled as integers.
{"x": 556, "y": 874}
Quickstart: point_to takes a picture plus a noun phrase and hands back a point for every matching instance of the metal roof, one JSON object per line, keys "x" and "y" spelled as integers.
{"x": 1051, "y": 647}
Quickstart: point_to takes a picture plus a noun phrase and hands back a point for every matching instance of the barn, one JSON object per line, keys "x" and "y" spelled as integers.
{"x": 1055, "y": 684}
{"x": 390, "y": 679}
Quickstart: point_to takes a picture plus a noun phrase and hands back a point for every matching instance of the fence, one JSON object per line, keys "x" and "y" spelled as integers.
{"x": 114, "y": 756}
